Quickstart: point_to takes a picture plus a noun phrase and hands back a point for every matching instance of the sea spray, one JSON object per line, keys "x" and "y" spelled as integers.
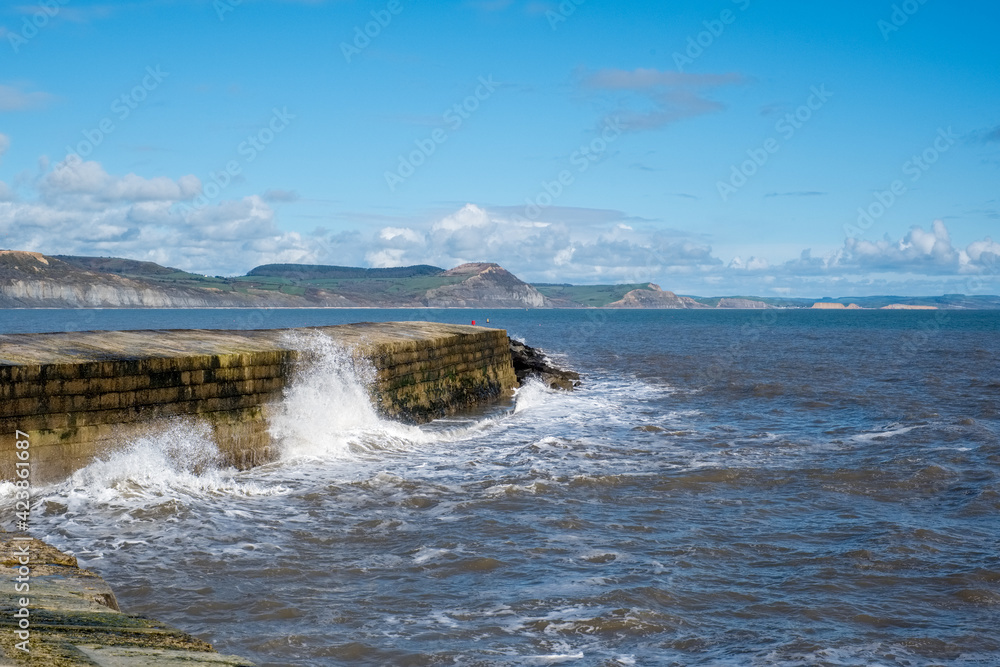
{"x": 169, "y": 466}
{"x": 529, "y": 395}
{"x": 182, "y": 449}
{"x": 327, "y": 409}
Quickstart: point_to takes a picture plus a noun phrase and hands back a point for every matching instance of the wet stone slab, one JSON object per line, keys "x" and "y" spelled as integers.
{"x": 73, "y": 618}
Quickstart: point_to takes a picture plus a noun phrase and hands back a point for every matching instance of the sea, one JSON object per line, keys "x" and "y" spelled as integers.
{"x": 726, "y": 488}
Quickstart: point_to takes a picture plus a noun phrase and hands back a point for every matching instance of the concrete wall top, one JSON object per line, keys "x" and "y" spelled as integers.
{"x": 97, "y": 346}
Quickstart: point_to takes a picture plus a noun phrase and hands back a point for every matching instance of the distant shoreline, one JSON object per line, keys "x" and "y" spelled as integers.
{"x": 31, "y": 280}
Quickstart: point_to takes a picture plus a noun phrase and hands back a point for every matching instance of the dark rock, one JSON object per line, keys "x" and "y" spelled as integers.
{"x": 532, "y": 362}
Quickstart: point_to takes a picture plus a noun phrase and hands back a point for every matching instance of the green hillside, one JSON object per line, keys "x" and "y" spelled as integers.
{"x": 312, "y": 272}
{"x": 591, "y": 296}
{"x": 289, "y": 284}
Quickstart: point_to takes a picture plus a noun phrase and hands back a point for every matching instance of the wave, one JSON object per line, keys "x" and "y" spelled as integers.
{"x": 327, "y": 409}
{"x": 327, "y": 414}
{"x": 531, "y": 394}
{"x": 887, "y": 431}
{"x": 181, "y": 457}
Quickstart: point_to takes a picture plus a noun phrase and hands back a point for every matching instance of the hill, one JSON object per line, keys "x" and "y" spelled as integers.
{"x": 654, "y": 297}
{"x": 33, "y": 280}
{"x": 119, "y": 266}
{"x": 590, "y": 296}
{"x": 324, "y": 272}
{"x": 484, "y": 285}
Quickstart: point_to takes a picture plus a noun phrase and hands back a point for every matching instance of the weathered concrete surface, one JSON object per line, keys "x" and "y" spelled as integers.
{"x": 73, "y": 617}
{"x": 79, "y": 394}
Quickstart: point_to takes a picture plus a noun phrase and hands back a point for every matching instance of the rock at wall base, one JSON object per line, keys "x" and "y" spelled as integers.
{"x": 531, "y": 362}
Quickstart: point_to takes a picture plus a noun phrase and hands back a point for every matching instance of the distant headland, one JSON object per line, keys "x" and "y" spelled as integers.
{"x": 34, "y": 280}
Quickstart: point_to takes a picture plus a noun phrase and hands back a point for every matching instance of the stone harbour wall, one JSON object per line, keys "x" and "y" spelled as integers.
{"x": 79, "y": 395}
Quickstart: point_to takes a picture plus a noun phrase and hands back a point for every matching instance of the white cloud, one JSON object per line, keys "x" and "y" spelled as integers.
{"x": 469, "y": 216}
{"x": 6, "y": 194}
{"x": 923, "y": 261}
{"x": 985, "y": 251}
{"x": 403, "y": 234}
{"x": 752, "y": 264}
{"x": 386, "y": 258}
{"x": 560, "y": 249}
{"x": 136, "y": 188}
{"x": 76, "y": 177}
{"x": 82, "y": 209}
{"x": 920, "y": 251}
{"x": 578, "y": 246}
{"x": 88, "y": 179}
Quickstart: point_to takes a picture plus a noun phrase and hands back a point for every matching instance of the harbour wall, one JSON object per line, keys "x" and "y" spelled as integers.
{"x": 79, "y": 395}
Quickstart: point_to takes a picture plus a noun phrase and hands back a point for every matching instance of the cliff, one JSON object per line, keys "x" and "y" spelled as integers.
{"x": 741, "y": 303}
{"x": 33, "y": 280}
{"x": 654, "y": 298}
{"x": 485, "y": 285}
{"x": 30, "y": 279}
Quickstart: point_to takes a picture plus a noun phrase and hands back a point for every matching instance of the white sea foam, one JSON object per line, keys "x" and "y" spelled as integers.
{"x": 549, "y": 491}
{"x": 530, "y": 395}
{"x": 886, "y": 432}
{"x": 327, "y": 411}
{"x": 427, "y": 554}
{"x": 180, "y": 457}
{"x": 327, "y": 407}
{"x": 874, "y": 654}
{"x": 555, "y": 658}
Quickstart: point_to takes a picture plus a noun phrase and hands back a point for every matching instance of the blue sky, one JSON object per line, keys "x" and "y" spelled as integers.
{"x": 728, "y": 147}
